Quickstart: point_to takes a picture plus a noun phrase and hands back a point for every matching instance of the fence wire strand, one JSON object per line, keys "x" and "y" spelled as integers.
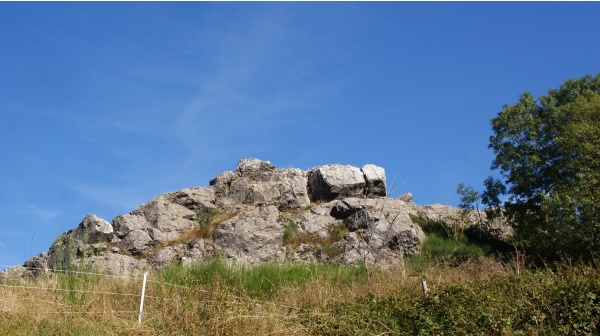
{"x": 235, "y": 298}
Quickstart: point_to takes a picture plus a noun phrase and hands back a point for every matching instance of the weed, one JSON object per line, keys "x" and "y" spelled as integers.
{"x": 290, "y": 231}
{"x": 337, "y": 231}
{"x": 205, "y": 221}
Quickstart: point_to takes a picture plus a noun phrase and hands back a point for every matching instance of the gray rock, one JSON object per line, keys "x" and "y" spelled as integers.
{"x": 355, "y": 250}
{"x": 124, "y": 224}
{"x": 375, "y": 178}
{"x": 117, "y": 264}
{"x": 293, "y": 189}
{"x": 259, "y": 183}
{"x": 335, "y": 181}
{"x": 136, "y": 242}
{"x": 194, "y": 199}
{"x": 317, "y": 220}
{"x": 406, "y": 242}
{"x": 346, "y": 207}
{"x": 162, "y": 214}
{"x": 13, "y": 273}
{"x": 221, "y": 183}
{"x": 359, "y": 220}
{"x": 163, "y": 257}
{"x": 407, "y": 197}
{"x": 37, "y": 265}
{"x": 93, "y": 229}
{"x": 255, "y": 169}
{"x": 253, "y": 235}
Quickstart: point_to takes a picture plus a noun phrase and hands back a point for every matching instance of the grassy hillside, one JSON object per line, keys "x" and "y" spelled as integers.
{"x": 471, "y": 292}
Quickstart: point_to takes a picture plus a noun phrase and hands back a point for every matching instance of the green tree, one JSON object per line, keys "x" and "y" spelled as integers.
{"x": 470, "y": 200}
{"x": 548, "y": 154}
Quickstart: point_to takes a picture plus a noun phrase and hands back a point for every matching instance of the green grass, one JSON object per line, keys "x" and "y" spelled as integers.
{"x": 446, "y": 242}
{"x": 261, "y": 281}
{"x": 440, "y": 248}
{"x": 290, "y": 231}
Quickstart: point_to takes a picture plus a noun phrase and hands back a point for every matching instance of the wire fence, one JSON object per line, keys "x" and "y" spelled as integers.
{"x": 21, "y": 283}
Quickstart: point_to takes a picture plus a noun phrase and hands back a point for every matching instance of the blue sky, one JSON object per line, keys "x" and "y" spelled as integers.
{"x": 104, "y": 106}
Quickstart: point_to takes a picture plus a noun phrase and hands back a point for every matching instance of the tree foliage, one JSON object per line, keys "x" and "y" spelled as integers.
{"x": 548, "y": 154}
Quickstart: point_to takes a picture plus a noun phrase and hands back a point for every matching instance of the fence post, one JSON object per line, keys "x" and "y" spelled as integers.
{"x": 424, "y": 285}
{"x": 142, "y": 299}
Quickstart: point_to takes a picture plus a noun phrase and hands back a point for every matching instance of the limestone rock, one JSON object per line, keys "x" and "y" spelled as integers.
{"x": 356, "y": 250}
{"x": 12, "y": 273}
{"x": 161, "y": 213}
{"x": 136, "y": 242}
{"x": 194, "y": 199}
{"x": 375, "y": 178}
{"x": 253, "y": 235}
{"x": 407, "y": 197}
{"x": 221, "y": 183}
{"x": 37, "y": 265}
{"x": 255, "y": 169}
{"x": 124, "y": 224}
{"x": 317, "y": 220}
{"x": 117, "y": 264}
{"x": 334, "y": 181}
{"x": 94, "y": 229}
{"x": 259, "y": 183}
{"x": 358, "y": 220}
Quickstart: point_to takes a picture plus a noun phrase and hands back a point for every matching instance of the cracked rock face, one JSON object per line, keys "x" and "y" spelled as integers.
{"x": 255, "y": 213}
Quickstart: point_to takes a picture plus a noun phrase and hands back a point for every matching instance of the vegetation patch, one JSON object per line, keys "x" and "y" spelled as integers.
{"x": 293, "y": 237}
{"x": 479, "y": 297}
{"x": 208, "y": 220}
{"x": 290, "y": 231}
{"x": 261, "y": 281}
{"x": 445, "y": 242}
{"x": 564, "y": 301}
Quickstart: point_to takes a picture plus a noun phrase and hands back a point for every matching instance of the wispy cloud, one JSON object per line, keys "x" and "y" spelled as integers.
{"x": 33, "y": 212}
{"x": 121, "y": 198}
{"x": 258, "y": 87}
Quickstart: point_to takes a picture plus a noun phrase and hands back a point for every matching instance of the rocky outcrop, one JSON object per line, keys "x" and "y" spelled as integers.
{"x": 256, "y": 213}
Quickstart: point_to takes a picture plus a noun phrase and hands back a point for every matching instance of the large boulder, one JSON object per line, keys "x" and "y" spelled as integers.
{"x": 333, "y": 181}
{"x": 94, "y": 229}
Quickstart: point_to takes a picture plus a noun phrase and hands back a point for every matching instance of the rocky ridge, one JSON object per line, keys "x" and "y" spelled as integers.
{"x": 256, "y": 213}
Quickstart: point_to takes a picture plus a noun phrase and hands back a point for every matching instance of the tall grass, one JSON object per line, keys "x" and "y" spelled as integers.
{"x": 262, "y": 281}
{"x": 479, "y": 296}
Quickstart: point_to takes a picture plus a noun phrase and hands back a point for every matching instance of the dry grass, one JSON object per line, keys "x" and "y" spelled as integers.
{"x": 217, "y": 309}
